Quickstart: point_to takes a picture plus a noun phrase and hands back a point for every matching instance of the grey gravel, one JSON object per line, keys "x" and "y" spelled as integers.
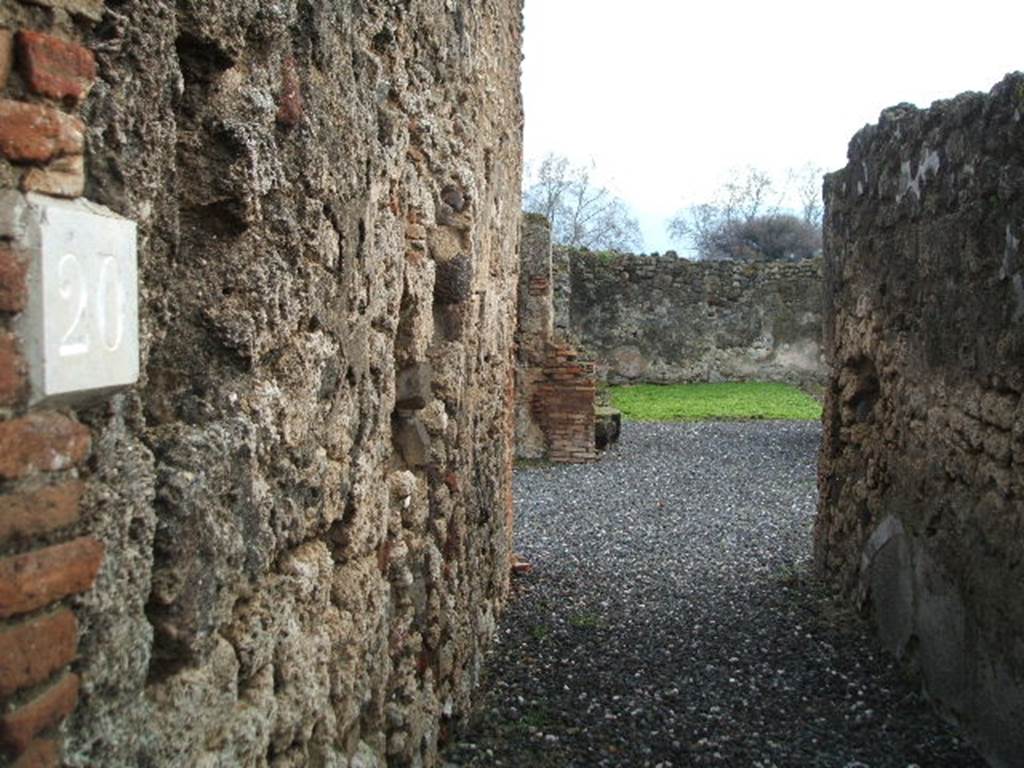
{"x": 671, "y": 620}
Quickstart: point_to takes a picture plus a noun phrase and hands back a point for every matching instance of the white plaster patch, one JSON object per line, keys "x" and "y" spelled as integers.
{"x": 1018, "y": 289}
{"x": 929, "y": 164}
{"x": 862, "y": 184}
{"x": 1010, "y": 254}
{"x": 1011, "y": 270}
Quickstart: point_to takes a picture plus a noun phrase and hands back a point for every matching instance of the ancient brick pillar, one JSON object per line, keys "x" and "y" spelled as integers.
{"x": 556, "y": 390}
{"x": 48, "y": 557}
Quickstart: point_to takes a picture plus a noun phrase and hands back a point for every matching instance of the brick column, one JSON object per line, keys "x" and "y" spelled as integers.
{"x": 563, "y": 403}
{"x": 44, "y": 562}
{"x": 556, "y": 390}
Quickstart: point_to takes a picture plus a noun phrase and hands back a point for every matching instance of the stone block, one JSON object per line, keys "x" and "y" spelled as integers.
{"x": 33, "y": 651}
{"x": 41, "y": 442}
{"x": 33, "y": 133}
{"x": 89, "y": 9}
{"x": 454, "y": 281}
{"x": 54, "y": 67}
{"x": 63, "y": 177}
{"x": 454, "y": 198}
{"x": 413, "y": 442}
{"x": 36, "y": 512}
{"x": 79, "y": 329}
{"x": 607, "y": 426}
{"x": 413, "y": 387}
{"x": 38, "y": 578}
{"x": 19, "y": 727}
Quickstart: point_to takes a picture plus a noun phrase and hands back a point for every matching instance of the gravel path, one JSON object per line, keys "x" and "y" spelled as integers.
{"x": 670, "y": 620}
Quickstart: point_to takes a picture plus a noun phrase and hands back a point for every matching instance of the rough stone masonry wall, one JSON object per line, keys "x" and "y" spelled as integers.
{"x": 921, "y": 510}
{"x": 663, "y": 319}
{"x": 304, "y": 505}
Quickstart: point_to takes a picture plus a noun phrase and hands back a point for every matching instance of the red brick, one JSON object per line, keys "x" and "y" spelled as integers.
{"x": 12, "y": 371}
{"x": 20, "y": 727}
{"x": 13, "y": 288}
{"x": 54, "y": 67}
{"x": 41, "y": 442}
{"x": 289, "y": 103}
{"x": 36, "y": 579}
{"x": 31, "y": 652}
{"x": 41, "y": 753}
{"x": 36, "y": 134}
{"x": 32, "y": 513}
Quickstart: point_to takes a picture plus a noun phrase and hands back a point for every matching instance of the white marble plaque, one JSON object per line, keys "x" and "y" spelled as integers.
{"x": 80, "y": 331}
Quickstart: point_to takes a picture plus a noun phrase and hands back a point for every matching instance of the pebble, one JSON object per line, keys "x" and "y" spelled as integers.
{"x": 672, "y": 618}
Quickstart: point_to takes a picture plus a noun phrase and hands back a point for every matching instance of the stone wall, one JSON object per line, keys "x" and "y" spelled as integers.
{"x": 648, "y": 319}
{"x": 297, "y": 524}
{"x": 921, "y": 512}
{"x": 664, "y": 319}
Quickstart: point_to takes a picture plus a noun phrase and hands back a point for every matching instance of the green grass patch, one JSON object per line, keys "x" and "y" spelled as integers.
{"x": 706, "y": 402}
{"x": 585, "y": 620}
{"x": 539, "y": 632}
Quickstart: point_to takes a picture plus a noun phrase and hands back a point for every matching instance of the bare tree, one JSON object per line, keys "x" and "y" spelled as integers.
{"x": 582, "y": 214}
{"x": 807, "y": 181}
{"x": 746, "y": 221}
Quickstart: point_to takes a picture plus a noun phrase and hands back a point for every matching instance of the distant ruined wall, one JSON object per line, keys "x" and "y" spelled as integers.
{"x": 296, "y": 527}
{"x": 664, "y": 319}
{"x": 922, "y": 464}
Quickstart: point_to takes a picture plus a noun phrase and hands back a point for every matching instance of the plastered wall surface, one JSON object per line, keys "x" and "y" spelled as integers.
{"x": 298, "y": 522}
{"x": 663, "y": 319}
{"x": 921, "y": 517}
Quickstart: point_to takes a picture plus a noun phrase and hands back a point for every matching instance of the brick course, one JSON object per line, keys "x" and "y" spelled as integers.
{"x": 54, "y": 67}
{"x": 89, "y": 9}
{"x": 35, "y": 133}
{"x": 12, "y": 371}
{"x": 32, "y": 651}
{"x": 36, "y": 579}
{"x": 13, "y": 288}
{"x": 19, "y": 727}
{"x": 41, "y": 442}
{"x": 32, "y": 513}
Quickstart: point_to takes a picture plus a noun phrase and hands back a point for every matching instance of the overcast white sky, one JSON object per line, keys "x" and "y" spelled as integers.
{"x": 665, "y": 96}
